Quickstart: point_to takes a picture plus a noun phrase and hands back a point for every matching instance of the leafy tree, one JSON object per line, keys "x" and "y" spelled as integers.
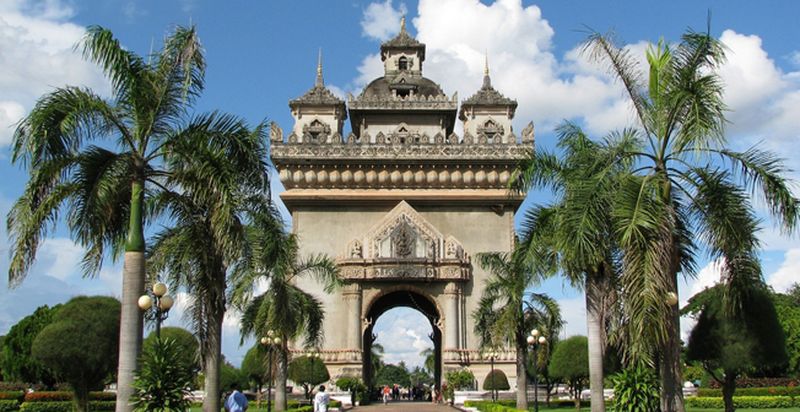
{"x": 285, "y": 309}
{"x": 95, "y": 162}
{"x": 163, "y": 380}
{"x": 393, "y": 374}
{"x": 688, "y": 186}
{"x": 254, "y": 367}
{"x": 735, "y": 343}
{"x": 496, "y": 380}
{"x": 507, "y": 310}
{"x": 352, "y": 385}
{"x": 17, "y": 362}
{"x": 788, "y": 308}
{"x": 308, "y": 371}
{"x": 460, "y": 379}
{"x": 80, "y": 345}
{"x": 574, "y": 235}
{"x": 571, "y": 364}
{"x": 187, "y": 353}
{"x": 420, "y": 376}
{"x": 230, "y": 375}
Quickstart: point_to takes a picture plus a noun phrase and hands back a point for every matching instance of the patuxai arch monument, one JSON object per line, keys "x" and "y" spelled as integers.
{"x": 403, "y": 203}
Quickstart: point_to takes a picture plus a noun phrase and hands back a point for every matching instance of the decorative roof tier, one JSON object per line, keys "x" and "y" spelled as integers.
{"x": 403, "y": 40}
{"x": 319, "y": 95}
{"x": 487, "y": 96}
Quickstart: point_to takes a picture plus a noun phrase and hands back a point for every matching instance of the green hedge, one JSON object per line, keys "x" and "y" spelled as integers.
{"x": 54, "y": 406}
{"x": 12, "y": 395}
{"x": 745, "y": 402}
{"x": 8, "y": 405}
{"x": 770, "y": 391}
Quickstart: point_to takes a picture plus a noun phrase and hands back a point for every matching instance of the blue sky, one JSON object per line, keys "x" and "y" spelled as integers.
{"x": 263, "y": 53}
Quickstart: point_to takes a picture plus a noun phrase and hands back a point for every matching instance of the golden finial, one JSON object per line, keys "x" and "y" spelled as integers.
{"x": 403, "y": 23}
{"x": 319, "y": 81}
{"x": 486, "y": 63}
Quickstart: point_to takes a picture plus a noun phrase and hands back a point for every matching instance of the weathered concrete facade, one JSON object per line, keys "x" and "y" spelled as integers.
{"x": 402, "y": 203}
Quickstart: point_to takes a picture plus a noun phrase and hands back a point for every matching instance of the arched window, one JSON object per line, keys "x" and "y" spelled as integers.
{"x": 402, "y": 64}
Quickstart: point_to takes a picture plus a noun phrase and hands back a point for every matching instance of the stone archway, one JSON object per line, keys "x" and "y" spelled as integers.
{"x": 401, "y": 297}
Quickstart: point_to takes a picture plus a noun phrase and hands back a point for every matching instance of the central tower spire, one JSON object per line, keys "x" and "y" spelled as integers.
{"x": 320, "y": 82}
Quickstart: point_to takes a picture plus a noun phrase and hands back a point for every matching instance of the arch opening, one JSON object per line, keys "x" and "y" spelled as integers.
{"x": 401, "y": 299}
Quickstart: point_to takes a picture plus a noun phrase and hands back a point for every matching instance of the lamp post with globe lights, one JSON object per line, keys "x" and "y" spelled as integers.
{"x": 535, "y": 340}
{"x": 272, "y": 343}
{"x": 156, "y": 305}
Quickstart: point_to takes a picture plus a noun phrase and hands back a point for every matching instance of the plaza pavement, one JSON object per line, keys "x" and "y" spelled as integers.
{"x": 401, "y": 406}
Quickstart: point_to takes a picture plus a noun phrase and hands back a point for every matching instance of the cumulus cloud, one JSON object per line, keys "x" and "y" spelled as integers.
{"x": 36, "y": 53}
{"x": 764, "y": 100}
{"x": 788, "y": 273}
{"x": 404, "y": 334}
{"x": 382, "y": 20}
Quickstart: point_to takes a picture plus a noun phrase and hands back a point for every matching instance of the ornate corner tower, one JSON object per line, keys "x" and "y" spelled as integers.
{"x": 403, "y": 203}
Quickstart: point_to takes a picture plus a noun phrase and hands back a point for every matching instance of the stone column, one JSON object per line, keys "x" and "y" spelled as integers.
{"x": 352, "y": 296}
{"x": 451, "y": 318}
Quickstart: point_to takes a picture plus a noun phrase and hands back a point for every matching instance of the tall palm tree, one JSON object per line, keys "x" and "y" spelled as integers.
{"x": 430, "y": 360}
{"x": 575, "y": 233}
{"x": 207, "y": 231}
{"x": 683, "y": 189}
{"x": 95, "y": 161}
{"x": 288, "y": 311}
{"x": 505, "y": 310}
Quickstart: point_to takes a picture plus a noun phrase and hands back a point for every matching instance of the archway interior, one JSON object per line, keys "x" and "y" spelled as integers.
{"x": 398, "y": 299}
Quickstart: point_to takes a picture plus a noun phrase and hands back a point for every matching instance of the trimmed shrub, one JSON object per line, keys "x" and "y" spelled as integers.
{"x": 771, "y": 391}
{"x": 496, "y": 380}
{"x": 765, "y": 402}
{"x": 102, "y": 406}
{"x": 13, "y": 386}
{"x": 48, "y": 396}
{"x": 54, "y": 406}
{"x": 761, "y": 382}
{"x": 18, "y": 396}
{"x": 9, "y": 405}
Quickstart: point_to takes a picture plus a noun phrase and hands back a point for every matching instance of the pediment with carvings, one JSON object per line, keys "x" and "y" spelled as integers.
{"x": 403, "y": 245}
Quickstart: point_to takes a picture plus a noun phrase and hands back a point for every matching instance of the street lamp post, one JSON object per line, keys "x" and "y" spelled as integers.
{"x": 535, "y": 341}
{"x": 156, "y": 305}
{"x": 492, "y": 356}
{"x": 271, "y": 342}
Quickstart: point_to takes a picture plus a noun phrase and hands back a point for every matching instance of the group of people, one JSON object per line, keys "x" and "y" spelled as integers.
{"x": 414, "y": 393}
{"x": 237, "y": 402}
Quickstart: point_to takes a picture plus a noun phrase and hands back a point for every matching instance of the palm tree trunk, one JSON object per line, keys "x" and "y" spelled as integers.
{"x": 522, "y": 379}
{"x": 130, "y": 326}
{"x": 595, "y": 325}
{"x": 280, "y": 381}
{"x": 670, "y": 368}
{"x": 212, "y": 366}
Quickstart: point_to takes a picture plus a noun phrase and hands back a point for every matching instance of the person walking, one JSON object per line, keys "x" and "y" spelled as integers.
{"x": 236, "y": 401}
{"x": 386, "y": 393}
{"x": 321, "y": 400}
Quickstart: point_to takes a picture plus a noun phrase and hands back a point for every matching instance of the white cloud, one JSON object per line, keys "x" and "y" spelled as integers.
{"x": 518, "y": 41}
{"x": 573, "y": 311}
{"x": 404, "y": 334}
{"x": 764, "y": 100}
{"x": 789, "y": 272}
{"x": 36, "y": 54}
{"x": 708, "y": 276}
{"x": 382, "y": 20}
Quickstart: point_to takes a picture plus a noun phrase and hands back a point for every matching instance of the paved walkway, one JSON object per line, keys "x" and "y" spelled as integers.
{"x": 404, "y": 407}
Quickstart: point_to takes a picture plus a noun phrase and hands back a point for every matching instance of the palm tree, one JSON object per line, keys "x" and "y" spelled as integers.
{"x": 95, "y": 161}
{"x": 430, "y": 360}
{"x": 376, "y": 354}
{"x": 575, "y": 233}
{"x": 285, "y": 309}
{"x": 687, "y": 185}
{"x": 506, "y": 309}
{"x": 207, "y": 233}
